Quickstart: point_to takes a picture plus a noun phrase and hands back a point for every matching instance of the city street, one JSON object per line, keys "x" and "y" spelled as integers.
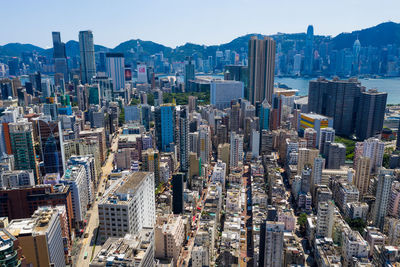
{"x": 89, "y": 245}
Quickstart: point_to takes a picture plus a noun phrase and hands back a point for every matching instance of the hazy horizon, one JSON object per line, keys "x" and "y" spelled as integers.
{"x": 174, "y": 23}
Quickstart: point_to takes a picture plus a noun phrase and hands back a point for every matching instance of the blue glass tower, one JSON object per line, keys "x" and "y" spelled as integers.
{"x": 165, "y": 127}
{"x": 265, "y": 110}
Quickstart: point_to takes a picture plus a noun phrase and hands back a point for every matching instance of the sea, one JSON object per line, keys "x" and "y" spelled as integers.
{"x": 389, "y": 85}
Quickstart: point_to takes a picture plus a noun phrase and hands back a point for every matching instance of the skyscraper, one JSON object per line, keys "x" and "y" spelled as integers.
{"x": 325, "y": 219}
{"x": 165, "y": 127}
{"x": 265, "y": 111}
{"x": 371, "y": 113}
{"x": 379, "y": 211}
{"x": 115, "y": 67}
{"x": 204, "y": 148}
{"x": 338, "y": 99}
{"x": 335, "y": 155}
{"x": 326, "y": 135}
{"x": 308, "y": 53}
{"x": 86, "y": 48}
{"x": 189, "y": 72}
{"x": 261, "y": 69}
{"x": 60, "y": 56}
{"x": 234, "y": 118}
{"x": 184, "y": 138}
{"x": 51, "y": 141}
{"x": 177, "y": 193}
{"x": 22, "y": 146}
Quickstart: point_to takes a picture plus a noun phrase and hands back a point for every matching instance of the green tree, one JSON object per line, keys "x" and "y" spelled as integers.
{"x": 121, "y": 118}
{"x": 357, "y": 224}
{"x": 302, "y": 222}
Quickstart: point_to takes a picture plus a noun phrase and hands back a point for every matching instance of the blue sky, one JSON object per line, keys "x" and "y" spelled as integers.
{"x": 176, "y": 22}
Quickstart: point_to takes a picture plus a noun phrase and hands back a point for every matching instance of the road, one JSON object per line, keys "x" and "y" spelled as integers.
{"x": 93, "y": 222}
{"x": 185, "y": 255}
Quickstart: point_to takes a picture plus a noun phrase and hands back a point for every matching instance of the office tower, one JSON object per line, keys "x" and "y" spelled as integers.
{"x": 184, "y": 138}
{"x": 51, "y": 110}
{"x": 255, "y": 143}
{"x": 86, "y": 48}
{"x": 383, "y": 190}
{"x": 22, "y": 146}
{"x": 371, "y": 113}
{"x": 94, "y": 95}
{"x": 82, "y": 96}
{"x": 40, "y": 238}
{"x": 261, "y": 69}
{"x": 60, "y": 56}
{"x": 177, "y": 193}
{"x": 194, "y": 166}
{"x": 238, "y": 73}
{"x": 151, "y": 163}
{"x": 223, "y": 92}
{"x": 325, "y": 219}
{"x": 204, "y": 144}
{"x": 372, "y": 148}
{"x": 131, "y": 250}
{"x": 335, "y": 155}
{"x": 271, "y": 244}
{"x": 164, "y": 118}
{"x": 326, "y": 135}
{"x": 305, "y": 157}
{"x": 234, "y": 118}
{"x": 363, "y": 171}
{"x": 264, "y": 115}
{"x": 132, "y": 202}
{"x": 337, "y": 99}
{"x": 158, "y": 97}
{"x": 51, "y": 141}
{"x": 236, "y": 150}
{"x": 115, "y": 68}
{"x": 308, "y": 53}
{"x": 189, "y": 73}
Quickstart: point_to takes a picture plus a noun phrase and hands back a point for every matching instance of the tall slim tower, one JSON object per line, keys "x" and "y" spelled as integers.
{"x": 371, "y": 114}
{"x": 115, "y": 67}
{"x": 363, "y": 171}
{"x": 86, "y": 47}
{"x": 22, "y": 145}
{"x": 60, "y": 56}
{"x": 272, "y": 244}
{"x": 308, "y": 53}
{"x": 189, "y": 73}
{"x": 383, "y": 190}
{"x": 261, "y": 69}
{"x": 184, "y": 138}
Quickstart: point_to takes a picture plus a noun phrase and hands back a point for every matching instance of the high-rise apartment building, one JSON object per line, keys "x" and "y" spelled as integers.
{"x": 86, "y": 48}
{"x": 325, "y": 219}
{"x": 184, "y": 138}
{"x": 234, "y": 118}
{"x": 204, "y": 144}
{"x": 236, "y": 150}
{"x": 271, "y": 244}
{"x": 335, "y": 155}
{"x": 151, "y": 163}
{"x": 261, "y": 69}
{"x": 372, "y": 148}
{"x": 362, "y": 177}
{"x": 371, "y": 113}
{"x": 326, "y": 135}
{"x": 383, "y": 190}
{"x": 177, "y": 193}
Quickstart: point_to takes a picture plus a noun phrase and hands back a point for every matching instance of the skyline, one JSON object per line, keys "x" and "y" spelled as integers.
{"x": 158, "y": 25}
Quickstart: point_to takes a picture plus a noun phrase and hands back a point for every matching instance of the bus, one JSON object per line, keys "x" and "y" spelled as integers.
{"x": 85, "y": 255}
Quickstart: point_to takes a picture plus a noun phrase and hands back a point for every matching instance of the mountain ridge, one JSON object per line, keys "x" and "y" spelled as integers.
{"x": 379, "y": 35}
